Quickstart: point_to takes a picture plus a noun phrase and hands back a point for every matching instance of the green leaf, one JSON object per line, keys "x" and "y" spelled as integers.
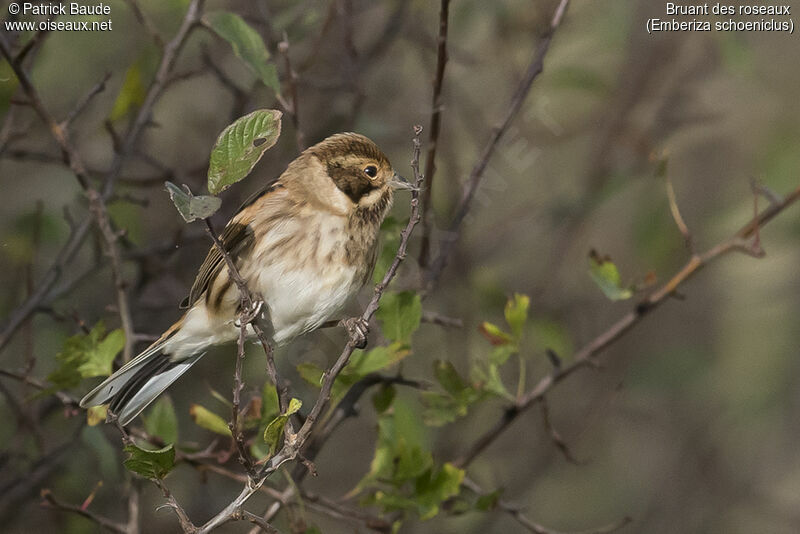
{"x": 445, "y": 408}
{"x": 240, "y": 146}
{"x": 150, "y": 464}
{"x": 161, "y": 420}
{"x": 131, "y": 94}
{"x": 606, "y": 276}
{"x": 437, "y": 487}
{"x": 440, "y": 408}
{"x": 274, "y": 431}
{"x": 399, "y": 315}
{"x": 383, "y": 398}
{"x": 363, "y": 363}
{"x": 500, "y": 355}
{"x": 209, "y": 420}
{"x": 270, "y": 407}
{"x": 247, "y": 45}
{"x": 99, "y": 359}
{"x": 390, "y": 237}
{"x": 86, "y": 356}
{"x": 516, "y": 313}
{"x": 311, "y": 373}
{"x": 192, "y": 207}
{"x": 488, "y": 501}
{"x": 448, "y": 377}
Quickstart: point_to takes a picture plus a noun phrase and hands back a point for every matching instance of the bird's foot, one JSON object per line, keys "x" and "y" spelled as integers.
{"x": 358, "y": 329}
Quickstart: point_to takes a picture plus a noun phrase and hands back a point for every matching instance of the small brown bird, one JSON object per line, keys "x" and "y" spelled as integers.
{"x": 307, "y": 242}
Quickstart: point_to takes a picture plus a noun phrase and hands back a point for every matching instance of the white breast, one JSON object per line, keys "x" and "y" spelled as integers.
{"x": 305, "y": 281}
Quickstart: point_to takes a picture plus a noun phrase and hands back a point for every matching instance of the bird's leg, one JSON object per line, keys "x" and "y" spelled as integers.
{"x": 358, "y": 329}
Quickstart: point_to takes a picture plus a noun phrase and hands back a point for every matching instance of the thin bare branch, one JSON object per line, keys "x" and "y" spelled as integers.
{"x": 291, "y": 81}
{"x": 534, "y": 527}
{"x": 435, "y": 128}
{"x": 468, "y": 190}
{"x": 49, "y": 500}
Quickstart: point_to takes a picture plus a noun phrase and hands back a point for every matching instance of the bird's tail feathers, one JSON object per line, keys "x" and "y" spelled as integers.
{"x": 140, "y": 381}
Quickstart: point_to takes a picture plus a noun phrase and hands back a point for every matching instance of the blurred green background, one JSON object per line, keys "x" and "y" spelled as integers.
{"x": 690, "y": 426}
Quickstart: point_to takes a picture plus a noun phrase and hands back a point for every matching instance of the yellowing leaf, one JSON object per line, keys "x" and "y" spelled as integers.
{"x": 493, "y": 333}
{"x": 274, "y": 431}
{"x": 606, "y": 276}
{"x": 516, "y": 312}
{"x": 96, "y": 415}
{"x": 209, "y": 420}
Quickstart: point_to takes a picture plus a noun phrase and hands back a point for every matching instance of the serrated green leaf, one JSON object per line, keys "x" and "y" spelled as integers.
{"x": 606, "y": 276}
{"x": 192, "y": 207}
{"x": 162, "y": 421}
{"x": 240, "y": 146}
{"x": 86, "y": 356}
{"x": 150, "y": 464}
{"x": 99, "y": 360}
{"x": 440, "y": 409}
{"x": 516, "y": 312}
{"x": 437, "y": 487}
{"x": 246, "y": 43}
{"x": 399, "y": 315}
{"x": 207, "y": 419}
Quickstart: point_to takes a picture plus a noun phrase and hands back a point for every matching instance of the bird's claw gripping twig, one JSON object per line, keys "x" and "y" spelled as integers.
{"x": 357, "y": 328}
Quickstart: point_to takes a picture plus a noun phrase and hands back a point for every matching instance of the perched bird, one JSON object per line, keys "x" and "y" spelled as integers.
{"x": 306, "y": 243}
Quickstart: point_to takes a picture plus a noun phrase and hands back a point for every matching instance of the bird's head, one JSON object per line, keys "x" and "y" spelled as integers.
{"x": 359, "y": 169}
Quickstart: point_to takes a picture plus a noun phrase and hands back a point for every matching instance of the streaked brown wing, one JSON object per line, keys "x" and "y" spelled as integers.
{"x": 236, "y": 239}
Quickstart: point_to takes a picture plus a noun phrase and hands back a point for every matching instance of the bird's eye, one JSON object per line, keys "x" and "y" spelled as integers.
{"x": 371, "y": 171}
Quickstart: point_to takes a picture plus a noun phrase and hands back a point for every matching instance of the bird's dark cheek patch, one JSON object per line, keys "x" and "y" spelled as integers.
{"x": 351, "y": 184}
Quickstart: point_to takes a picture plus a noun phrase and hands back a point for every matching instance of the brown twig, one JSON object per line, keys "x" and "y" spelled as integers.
{"x": 291, "y": 81}
{"x": 433, "y": 139}
{"x": 50, "y": 500}
{"x": 535, "y": 67}
{"x": 585, "y": 356}
{"x": 146, "y": 23}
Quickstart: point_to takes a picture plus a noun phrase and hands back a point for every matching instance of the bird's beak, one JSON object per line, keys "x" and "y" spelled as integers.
{"x": 398, "y": 182}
